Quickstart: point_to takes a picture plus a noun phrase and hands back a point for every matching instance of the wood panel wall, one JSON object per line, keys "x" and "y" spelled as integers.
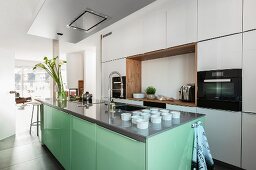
{"x": 133, "y": 77}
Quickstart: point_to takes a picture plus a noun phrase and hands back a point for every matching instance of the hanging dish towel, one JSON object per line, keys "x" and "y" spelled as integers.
{"x": 202, "y": 157}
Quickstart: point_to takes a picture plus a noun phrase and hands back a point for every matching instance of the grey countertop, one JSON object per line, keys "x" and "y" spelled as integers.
{"x": 98, "y": 113}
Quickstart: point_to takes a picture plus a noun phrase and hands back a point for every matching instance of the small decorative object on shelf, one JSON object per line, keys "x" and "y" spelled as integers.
{"x": 53, "y": 68}
{"x": 151, "y": 91}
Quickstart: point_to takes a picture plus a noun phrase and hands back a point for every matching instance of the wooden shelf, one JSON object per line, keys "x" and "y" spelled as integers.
{"x": 133, "y": 69}
{"x": 173, "y": 51}
{"x": 174, "y": 102}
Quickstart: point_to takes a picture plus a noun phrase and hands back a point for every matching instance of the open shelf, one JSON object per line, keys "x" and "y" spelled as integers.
{"x": 133, "y": 70}
{"x": 172, "y": 102}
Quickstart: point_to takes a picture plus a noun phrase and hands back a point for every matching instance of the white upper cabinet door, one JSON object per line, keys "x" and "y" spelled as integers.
{"x": 249, "y": 72}
{"x": 223, "y": 130}
{"x": 220, "y": 53}
{"x": 181, "y": 22}
{"x": 107, "y": 68}
{"x": 219, "y": 17}
{"x": 249, "y": 15}
{"x": 112, "y": 45}
{"x": 132, "y": 37}
{"x": 154, "y": 30}
{"x": 248, "y": 141}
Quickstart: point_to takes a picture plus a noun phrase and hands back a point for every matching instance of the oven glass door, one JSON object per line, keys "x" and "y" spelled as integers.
{"x": 220, "y": 89}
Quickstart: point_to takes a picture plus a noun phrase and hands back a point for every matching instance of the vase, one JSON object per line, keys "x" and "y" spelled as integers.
{"x": 61, "y": 95}
{"x": 151, "y": 96}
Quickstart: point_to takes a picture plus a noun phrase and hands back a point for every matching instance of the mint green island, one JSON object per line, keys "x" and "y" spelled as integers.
{"x": 91, "y": 138}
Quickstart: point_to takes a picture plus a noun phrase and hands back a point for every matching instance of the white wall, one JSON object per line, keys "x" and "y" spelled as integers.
{"x": 75, "y": 68}
{"x": 167, "y": 75}
{"x": 7, "y": 100}
{"x": 90, "y": 70}
{"x": 25, "y": 63}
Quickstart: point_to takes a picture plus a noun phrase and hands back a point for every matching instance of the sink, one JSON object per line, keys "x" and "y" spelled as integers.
{"x": 129, "y": 107}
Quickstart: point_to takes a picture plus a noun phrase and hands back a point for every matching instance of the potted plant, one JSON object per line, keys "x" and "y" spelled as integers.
{"x": 151, "y": 91}
{"x": 53, "y": 68}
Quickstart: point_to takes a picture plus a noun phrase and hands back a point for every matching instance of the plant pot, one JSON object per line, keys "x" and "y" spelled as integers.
{"x": 151, "y": 96}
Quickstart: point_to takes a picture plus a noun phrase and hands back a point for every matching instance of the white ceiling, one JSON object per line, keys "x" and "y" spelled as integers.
{"x": 16, "y": 18}
{"x": 55, "y": 15}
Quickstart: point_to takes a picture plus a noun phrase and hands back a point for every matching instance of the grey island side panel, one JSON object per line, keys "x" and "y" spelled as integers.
{"x": 98, "y": 114}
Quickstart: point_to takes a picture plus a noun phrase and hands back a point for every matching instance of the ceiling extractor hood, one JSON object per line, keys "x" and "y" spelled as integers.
{"x": 88, "y": 20}
{"x": 60, "y": 16}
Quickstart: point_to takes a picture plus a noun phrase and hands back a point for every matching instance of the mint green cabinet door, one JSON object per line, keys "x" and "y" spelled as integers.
{"x": 117, "y": 152}
{"x": 171, "y": 149}
{"x": 56, "y": 134}
{"x": 83, "y": 145}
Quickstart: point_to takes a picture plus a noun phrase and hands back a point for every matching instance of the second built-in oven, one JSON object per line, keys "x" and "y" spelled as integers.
{"x": 220, "y": 89}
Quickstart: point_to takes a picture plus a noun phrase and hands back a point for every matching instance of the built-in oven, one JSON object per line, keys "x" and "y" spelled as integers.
{"x": 220, "y": 89}
{"x": 116, "y": 86}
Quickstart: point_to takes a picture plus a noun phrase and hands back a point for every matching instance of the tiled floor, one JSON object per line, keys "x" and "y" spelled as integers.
{"x": 24, "y": 151}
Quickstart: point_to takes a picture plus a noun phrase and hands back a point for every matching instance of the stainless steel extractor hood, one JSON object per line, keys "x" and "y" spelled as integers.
{"x": 88, "y": 20}
{"x": 59, "y": 16}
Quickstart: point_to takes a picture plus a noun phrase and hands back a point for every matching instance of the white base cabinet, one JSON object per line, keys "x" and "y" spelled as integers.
{"x": 249, "y": 72}
{"x": 115, "y": 65}
{"x": 249, "y": 141}
{"x": 181, "y": 108}
{"x": 223, "y": 130}
{"x": 219, "y": 17}
{"x": 221, "y": 53}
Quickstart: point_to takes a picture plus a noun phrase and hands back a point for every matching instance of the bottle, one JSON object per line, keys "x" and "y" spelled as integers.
{"x": 112, "y": 106}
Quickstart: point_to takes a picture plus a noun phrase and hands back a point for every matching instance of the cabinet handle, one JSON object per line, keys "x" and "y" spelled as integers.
{"x": 250, "y": 113}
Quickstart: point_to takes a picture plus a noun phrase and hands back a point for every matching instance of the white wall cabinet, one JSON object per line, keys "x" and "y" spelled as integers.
{"x": 249, "y": 72}
{"x": 115, "y": 65}
{"x": 223, "y": 130}
{"x": 154, "y": 30}
{"x": 112, "y": 45}
{"x": 249, "y": 15}
{"x": 219, "y": 17}
{"x": 220, "y": 53}
{"x": 132, "y": 37}
{"x": 181, "y": 22}
{"x": 248, "y": 141}
{"x": 181, "y": 108}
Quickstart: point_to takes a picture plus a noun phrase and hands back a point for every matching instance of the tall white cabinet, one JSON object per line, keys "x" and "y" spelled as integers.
{"x": 223, "y": 130}
{"x": 249, "y": 138}
{"x": 219, "y": 17}
{"x": 249, "y": 72}
{"x": 220, "y": 53}
{"x": 181, "y": 22}
{"x": 110, "y": 49}
{"x": 249, "y": 15}
{"x": 249, "y": 99}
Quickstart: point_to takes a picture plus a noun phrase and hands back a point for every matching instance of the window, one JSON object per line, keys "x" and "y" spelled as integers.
{"x": 32, "y": 83}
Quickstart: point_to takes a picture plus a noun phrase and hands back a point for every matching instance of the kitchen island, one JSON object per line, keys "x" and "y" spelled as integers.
{"x": 90, "y": 137}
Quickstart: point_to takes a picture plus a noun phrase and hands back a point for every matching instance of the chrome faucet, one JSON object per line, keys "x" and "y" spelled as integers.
{"x": 110, "y": 85}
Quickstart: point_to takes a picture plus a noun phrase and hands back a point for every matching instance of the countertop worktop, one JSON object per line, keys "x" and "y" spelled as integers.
{"x": 98, "y": 113}
{"x": 172, "y": 102}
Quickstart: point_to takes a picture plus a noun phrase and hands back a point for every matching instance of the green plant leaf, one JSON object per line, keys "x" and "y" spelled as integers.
{"x": 150, "y": 90}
